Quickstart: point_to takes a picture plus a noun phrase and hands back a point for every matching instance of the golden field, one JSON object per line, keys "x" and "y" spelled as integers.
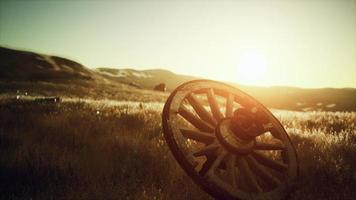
{"x": 104, "y": 149}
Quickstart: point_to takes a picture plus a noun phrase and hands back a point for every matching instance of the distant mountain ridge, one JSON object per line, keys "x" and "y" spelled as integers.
{"x": 18, "y": 65}
{"x": 147, "y": 79}
{"x": 29, "y": 66}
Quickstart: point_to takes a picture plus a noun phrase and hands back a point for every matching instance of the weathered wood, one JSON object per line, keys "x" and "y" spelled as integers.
{"x": 206, "y": 166}
{"x": 215, "y": 109}
{"x": 248, "y": 175}
{"x": 256, "y": 170}
{"x": 231, "y": 169}
{"x": 262, "y": 172}
{"x": 200, "y": 110}
{"x": 199, "y": 136}
{"x": 264, "y": 160}
{"x": 207, "y": 150}
{"x": 230, "y": 105}
{"x": 195, "y": 121}
{"x": 217, "y": 162}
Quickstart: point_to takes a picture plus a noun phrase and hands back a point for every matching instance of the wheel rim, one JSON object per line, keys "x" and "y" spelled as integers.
{"x": 217, "y": 135}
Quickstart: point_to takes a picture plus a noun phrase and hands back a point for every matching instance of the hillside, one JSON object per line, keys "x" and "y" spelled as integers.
{"x": 291, "y": 98}
{"x": 147, "y": 79}
{"x": 21, "y": 70}
{"x": 25, "y": 73}
{"x": 324, "y": 99}
{"x": 28, "y": 66}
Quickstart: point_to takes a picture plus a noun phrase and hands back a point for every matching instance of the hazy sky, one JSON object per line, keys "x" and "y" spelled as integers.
{"x": 296, "y": 43}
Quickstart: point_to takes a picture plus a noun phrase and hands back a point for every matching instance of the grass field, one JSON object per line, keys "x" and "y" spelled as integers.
{"x": 87, "y": 149}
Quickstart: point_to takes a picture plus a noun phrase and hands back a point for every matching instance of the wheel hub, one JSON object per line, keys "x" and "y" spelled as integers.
{"x": 246, "y": 124}
{"x": 230, "y": 141}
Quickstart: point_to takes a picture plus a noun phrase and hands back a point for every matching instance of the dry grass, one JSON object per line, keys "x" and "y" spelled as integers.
{"x": 115, "y": 150}
{"x": 326, "y": 146}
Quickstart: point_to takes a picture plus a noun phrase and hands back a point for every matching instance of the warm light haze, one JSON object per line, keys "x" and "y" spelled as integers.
{"x": 293, "y": 43}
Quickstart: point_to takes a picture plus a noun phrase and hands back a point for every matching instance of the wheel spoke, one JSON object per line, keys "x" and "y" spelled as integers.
{"x": 206, "y": 166}
{"x": 267, "y": 146}
{"x": 229, "y": 105}
{"x": 264, "y": 160}
{"x": 214, "y": 105}
{"x": 247, "y": 174}
{"x": 199, "y": 136}
{"x": 217, "y": 162}
{"x": 207, "y": 150}
{"x": 195, "y": 121}
{"x": 231, "y": 170}
{"x": 200, "y": 110}
{"x": 262, "y": 172}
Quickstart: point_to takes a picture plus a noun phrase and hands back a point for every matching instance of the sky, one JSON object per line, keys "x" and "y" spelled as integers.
{"x": 304, "y": 43}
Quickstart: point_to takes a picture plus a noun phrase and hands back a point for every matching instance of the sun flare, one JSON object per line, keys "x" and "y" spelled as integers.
{"x": 252, "y": 68}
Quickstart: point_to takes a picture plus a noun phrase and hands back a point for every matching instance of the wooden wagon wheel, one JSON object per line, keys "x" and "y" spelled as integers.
{"x": 230, "y": 144}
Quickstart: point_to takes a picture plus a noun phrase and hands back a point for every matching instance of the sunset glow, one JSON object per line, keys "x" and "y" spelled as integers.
{"x": 252, "y": 68}
{"x": 293, "y": 43}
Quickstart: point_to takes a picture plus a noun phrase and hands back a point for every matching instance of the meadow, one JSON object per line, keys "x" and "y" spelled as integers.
{"x": 103, "y": 149}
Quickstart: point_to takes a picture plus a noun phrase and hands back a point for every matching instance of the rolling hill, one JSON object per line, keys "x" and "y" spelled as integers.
{"x": 146, "y": 79}
{"x": 20, "y": 70}
{"x": 277, "y": 97}
{"x": 28, "y": 66}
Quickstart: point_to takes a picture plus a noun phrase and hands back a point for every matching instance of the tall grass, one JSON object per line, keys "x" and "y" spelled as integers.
{"x": 115, "y": 150}
{"x": 326, "y": 146}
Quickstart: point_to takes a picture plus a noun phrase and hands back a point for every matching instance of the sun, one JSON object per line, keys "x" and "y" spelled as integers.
{"x": 252, "y": 68}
